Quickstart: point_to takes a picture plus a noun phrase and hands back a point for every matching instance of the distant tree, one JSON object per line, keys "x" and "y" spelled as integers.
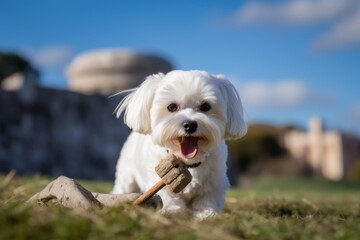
{"x": 262, "y": 142}
{"x": 11, "y": 63}
{"x": 354, "y": 173}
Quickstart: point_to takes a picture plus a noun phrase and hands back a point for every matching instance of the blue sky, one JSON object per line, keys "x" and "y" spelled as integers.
{"x": 290, "y": 60}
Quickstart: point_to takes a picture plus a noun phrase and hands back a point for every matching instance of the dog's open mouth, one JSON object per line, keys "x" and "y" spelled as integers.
{"x": 189, "y": 146}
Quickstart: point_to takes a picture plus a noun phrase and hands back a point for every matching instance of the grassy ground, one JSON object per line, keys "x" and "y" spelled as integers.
{"x": 266, "y": 209}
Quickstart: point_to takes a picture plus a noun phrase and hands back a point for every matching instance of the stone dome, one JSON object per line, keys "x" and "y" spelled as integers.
{"x": 113, "y": 70}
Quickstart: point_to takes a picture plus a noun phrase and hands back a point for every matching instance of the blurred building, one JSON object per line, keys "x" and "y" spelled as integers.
{"x": 66, "y": 132}
{"x": 328, "y": 153}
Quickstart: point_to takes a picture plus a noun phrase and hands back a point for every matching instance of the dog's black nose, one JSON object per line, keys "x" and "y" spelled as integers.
{"x": 190, "y": 126}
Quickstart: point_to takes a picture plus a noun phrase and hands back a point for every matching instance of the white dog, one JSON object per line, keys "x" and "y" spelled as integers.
{"x": 188, "y": 114}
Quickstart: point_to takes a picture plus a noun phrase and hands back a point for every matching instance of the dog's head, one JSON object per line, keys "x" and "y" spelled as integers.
{"x": 188, "y": 112}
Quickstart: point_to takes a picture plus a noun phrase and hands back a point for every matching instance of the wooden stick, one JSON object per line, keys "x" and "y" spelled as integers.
{"x": 149, "y": 193}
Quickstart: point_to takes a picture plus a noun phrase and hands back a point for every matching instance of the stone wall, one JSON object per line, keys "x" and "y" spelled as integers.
{"x": 72, "y": 133}
{"x": 57, "y": 132}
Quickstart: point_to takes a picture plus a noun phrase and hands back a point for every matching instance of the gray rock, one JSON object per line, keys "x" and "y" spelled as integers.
{"x": 69, "y": 193}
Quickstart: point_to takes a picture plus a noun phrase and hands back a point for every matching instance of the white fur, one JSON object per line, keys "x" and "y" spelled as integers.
{"x": 156, "y": 130}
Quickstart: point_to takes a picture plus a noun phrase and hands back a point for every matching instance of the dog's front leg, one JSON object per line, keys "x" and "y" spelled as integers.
{"x": 207, "y": 206}
{"x": 172, "y": 204}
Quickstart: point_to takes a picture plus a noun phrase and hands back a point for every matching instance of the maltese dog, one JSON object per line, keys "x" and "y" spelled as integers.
{"x": 189, "y": 114}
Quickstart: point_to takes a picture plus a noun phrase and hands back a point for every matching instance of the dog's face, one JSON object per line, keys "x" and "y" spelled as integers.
{"x": 188, "y": 112}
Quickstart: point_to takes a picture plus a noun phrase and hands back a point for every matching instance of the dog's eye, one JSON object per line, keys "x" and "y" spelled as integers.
{"x": 205, "y": 107}
{"x": 173, "y": 107}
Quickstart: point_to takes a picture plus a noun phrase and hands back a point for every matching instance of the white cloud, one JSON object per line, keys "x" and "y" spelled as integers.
{"x": 295, "y": 12}
{"x": 50, "y": 56}
{"x": 344, "y": 33}
{"x": 281, "y": 94}
{"x": 343, "y": 16}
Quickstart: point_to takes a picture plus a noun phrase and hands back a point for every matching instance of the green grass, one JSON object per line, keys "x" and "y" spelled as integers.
{"x": 266, "y": 209}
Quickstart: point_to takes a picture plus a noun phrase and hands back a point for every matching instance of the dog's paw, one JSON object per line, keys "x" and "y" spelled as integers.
{"x": 204, "y": 214}
{"x": 171, "y": 210}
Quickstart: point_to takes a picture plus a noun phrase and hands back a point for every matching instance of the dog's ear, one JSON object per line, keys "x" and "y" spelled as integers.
{"x": 136, "y": 105}
{"x": 235, "y": 126}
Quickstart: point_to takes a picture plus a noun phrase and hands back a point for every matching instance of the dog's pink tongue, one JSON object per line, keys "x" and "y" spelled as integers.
{"x": 189, "y": 147}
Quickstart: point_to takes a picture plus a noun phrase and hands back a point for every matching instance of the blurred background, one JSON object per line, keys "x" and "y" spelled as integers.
{"x": 295, "y": 63}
